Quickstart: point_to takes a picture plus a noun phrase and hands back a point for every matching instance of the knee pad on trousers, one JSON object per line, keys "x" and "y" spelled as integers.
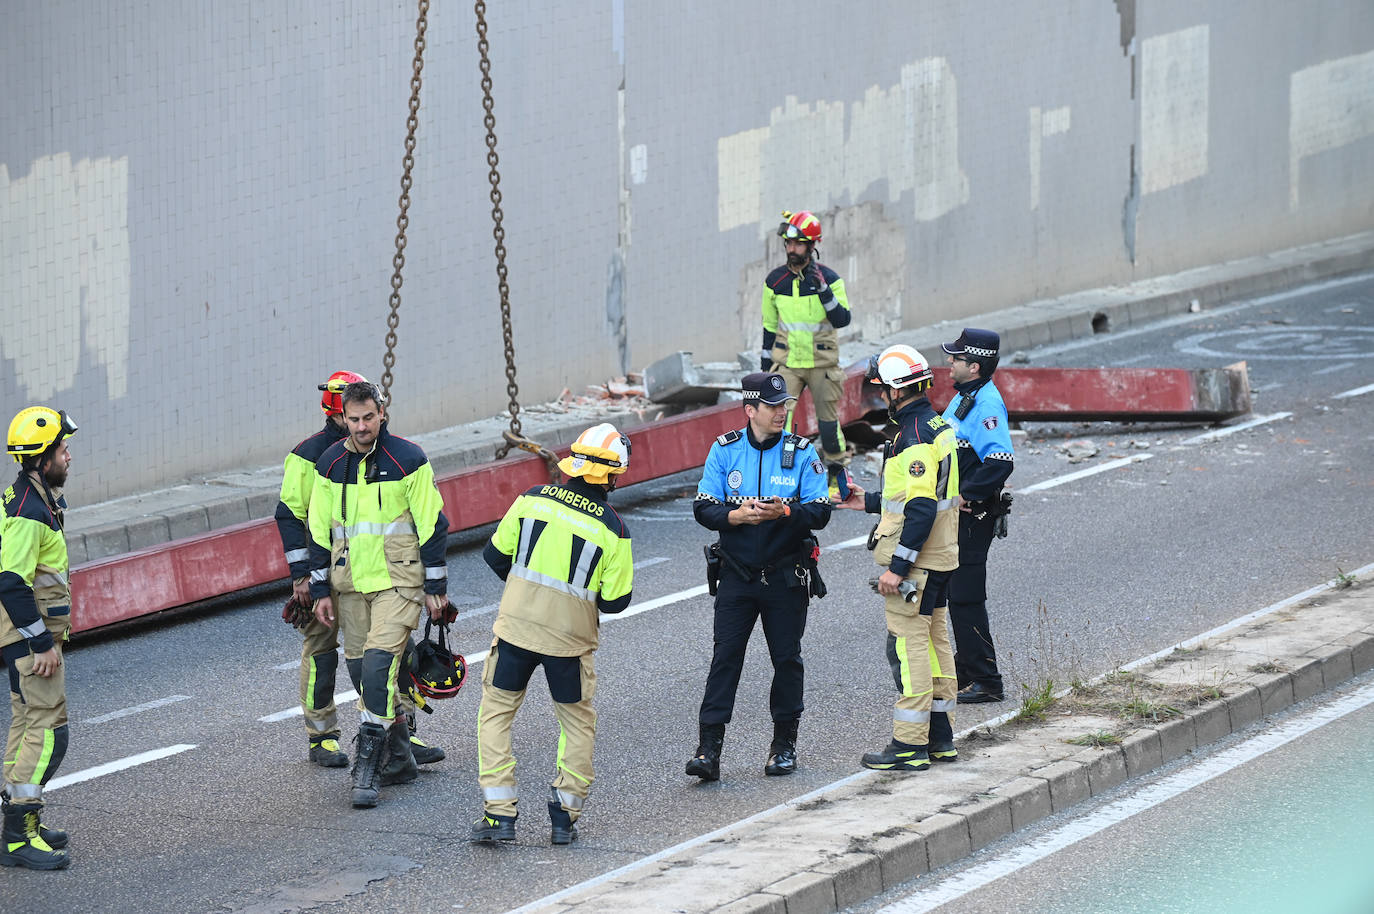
{"x": 832, "y": 442}
{"x": 378, "y": 682}
{"x": 326, "y": 669}
{"x": 59, "y": 751}
{"x": 894, "y": 661}
{"x": 355, "y": 673}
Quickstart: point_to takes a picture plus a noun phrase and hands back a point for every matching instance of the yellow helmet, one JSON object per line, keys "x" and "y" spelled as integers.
{"x": 598, "y": 454}
{"x": 36, "y": 429}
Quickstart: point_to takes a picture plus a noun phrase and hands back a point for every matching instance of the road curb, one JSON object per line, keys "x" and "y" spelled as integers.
{"x": 850, "y": 843}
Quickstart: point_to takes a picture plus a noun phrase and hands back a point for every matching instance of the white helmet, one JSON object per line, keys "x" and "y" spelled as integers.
{"x": 598, "y": 454}
{"x": 901, "y": 366}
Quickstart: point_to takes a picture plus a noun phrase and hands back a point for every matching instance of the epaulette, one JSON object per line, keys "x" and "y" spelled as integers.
{"x": 729, "y": 437}
{"x": 798, "y": 441}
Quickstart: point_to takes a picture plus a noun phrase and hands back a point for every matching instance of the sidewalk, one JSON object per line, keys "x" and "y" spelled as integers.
{"x": 136, "y": 522}
{"x": 874, "y": 831}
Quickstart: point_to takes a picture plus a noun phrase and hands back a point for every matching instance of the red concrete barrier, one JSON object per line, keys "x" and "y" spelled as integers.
{"x": 245, "y": 555}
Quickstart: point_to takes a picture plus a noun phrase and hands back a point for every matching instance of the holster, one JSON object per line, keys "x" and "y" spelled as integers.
{"x": 1002, "y": 508}
{"x": 808, "y": 562}
{"x": 712, "y": 551}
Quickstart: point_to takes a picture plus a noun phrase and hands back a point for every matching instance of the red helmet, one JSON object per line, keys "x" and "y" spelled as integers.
{"x": 332, "y": 399}
{"x": 802, "y": 225}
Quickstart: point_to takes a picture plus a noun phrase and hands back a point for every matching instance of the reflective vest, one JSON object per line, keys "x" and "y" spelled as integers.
{"x": 376, "y": 520}
{"x": 804, "y": 320}
{"x": 34, "y": 584}
{"x": 565, "y": 555}
{"x": 297, "y": 482}
{"x": 919, "y": 527}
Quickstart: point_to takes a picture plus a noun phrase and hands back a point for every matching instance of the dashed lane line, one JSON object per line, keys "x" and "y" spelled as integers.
{"x": 1232, "y": 429}
{"x": 1090, "y": 471}
{"x": 1358, "y": 391}
{"x": 136, "y": 709}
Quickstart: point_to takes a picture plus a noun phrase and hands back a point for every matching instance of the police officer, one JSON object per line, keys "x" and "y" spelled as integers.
{"x": 804, "y": 304}
{"x": 565, "y": 556}
{"x": 979, "y": 419}
{"x": 916, "y": 543}
{"x": 36, "y": 622}
{"x": 320, "y": 644}
{"x": 764, "y": 491}
{"x": 377, "y": 545}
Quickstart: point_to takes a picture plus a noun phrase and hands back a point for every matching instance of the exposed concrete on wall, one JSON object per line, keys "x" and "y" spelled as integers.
{"x": 1330, "y": 105}
{"x": 1174, "y": 93}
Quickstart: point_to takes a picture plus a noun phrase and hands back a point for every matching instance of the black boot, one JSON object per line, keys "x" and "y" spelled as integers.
{"x": 398, "y": 765}
{"x": 424, "y": 753}
{"x": 55, "y": 837}
{"x": 491, "y": 828}
{"x": 941, "y": 748}
{"x": 898, "y": 756}
{"x": 706, "y": 763}
{"x": 23, "y": 845}
{"x": 563, "y": 830}
{"x": 366, "y": 762}
{"x": 782, "y": 754}
{"x": 325, "y": 751}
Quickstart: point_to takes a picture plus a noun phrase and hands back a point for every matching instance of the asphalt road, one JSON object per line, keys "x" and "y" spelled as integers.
{"x": 1275, "y": 819}
{"x": 1097, "y": 571}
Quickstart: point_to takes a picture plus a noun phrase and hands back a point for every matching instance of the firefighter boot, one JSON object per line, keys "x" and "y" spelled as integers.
{"x": 398, "y": 764}
{"x": 55, "y": 837}
{"x": 941, "y": 748}
{"x": 24, "y": 845}
{"x": 325, "y": 751}
{"x": 782, "y": 753}
{"x": 706, "y": 763}
{"x": 367, "y": 761}
{"x": 492, "y": 828}
{"x": 898, "y": 756}
{"x": 424, "y": 753}
{"x": 563, "y": 830}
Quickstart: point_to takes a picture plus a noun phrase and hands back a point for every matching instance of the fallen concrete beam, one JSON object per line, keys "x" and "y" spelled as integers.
{"x": 249, "y": 554}
{"x": 676, "y": 379}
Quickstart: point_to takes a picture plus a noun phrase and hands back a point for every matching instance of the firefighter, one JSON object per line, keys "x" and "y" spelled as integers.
{"x": 916, "y": 543}
{"x": 804, "y": 304}
{"x": 320, "y": 645}
{"x": 35, "y": 624}
{"x": 565, "y": 556}
{"x": 378, "y": 537}
{"x": 763, "y": 490}
{"x": 979, "y": 419}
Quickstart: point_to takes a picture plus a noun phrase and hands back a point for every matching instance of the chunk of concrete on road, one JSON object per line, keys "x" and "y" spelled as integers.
{"x": 676, "y": 379}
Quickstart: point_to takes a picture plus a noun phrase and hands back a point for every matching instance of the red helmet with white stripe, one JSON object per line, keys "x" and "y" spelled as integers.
{"x": 331, "y": 401}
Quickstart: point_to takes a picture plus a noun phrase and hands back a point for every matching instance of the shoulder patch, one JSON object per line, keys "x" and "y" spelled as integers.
{"x": 990, "y": 423}
{"x": 729, "y": 437}
{"x": 817, "y": 467}
{"x": 917, "y": 469}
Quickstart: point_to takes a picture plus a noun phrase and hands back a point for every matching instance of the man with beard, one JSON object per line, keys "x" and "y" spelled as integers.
{"x": 37, "y": 620}
{"x": 804, "y": 304}
{"x": 378, "y": 539}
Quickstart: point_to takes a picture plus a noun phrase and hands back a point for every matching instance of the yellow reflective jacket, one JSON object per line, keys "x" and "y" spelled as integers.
{"x": 800, "y": 317}
{"x": 34, "y": 585}
{"x": 564, "y": 554}
{"x": 919, "y": 527}
{"x": 297, "y": 483}
{"x": 376, "y": 520}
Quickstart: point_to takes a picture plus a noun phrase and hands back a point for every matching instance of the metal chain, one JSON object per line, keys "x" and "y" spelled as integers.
{"x": 513, "y": 437}
{"x": 398, "y": 260}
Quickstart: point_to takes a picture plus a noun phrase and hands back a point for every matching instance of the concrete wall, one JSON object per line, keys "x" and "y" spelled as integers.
{"x": 198, "y": 203}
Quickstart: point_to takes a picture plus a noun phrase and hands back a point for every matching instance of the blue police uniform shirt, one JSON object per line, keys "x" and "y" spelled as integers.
{"x": 736, "y": 470}
{"x": 983, "y": 433}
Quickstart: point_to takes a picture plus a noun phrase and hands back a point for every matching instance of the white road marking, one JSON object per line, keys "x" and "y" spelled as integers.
{"x": 1332, "y": 369}
{"x": 656, "y": 560}
{"x": 1232, "y": 429}
{"x": 1358, "y": 391}
{"x": 975, "y": 877}
{"x": 132, "y": 761}
{"x": 295, "y": 664}
{"x": 125, "y": 712}
{"x": 1090, "y": 471}
{"x": 858, "y": 776}
{"x": 340, "y": 698}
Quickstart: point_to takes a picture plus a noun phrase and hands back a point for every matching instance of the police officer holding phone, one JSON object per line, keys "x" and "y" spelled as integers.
{"x": 763, "y": 490}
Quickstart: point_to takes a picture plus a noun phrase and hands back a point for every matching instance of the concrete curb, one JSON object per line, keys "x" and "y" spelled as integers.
{"x": 135, "y": 522}
{"x": 876, "y": 832}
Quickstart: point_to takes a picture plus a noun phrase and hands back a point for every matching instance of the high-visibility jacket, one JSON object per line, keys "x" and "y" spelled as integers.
{"x": 800, "y": 319}
{"x": 297, "y": 482}
{"x": 565, "y": 555}
{"x": 33, "y": 567}
{"x": 920, "y": 480}
{"x": 376, "y": 520}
